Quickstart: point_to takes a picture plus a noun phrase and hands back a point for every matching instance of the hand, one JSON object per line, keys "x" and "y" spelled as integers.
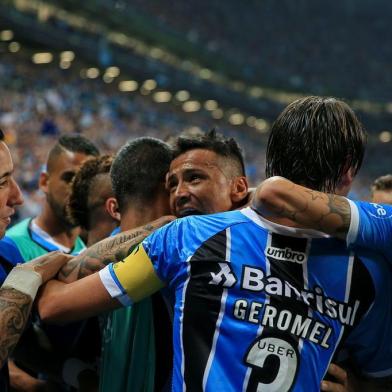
{"x": 47, "y": 265}
{"x": 342, "y": 381}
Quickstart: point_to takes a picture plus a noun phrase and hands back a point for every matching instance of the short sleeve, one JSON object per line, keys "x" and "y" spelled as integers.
{"x": 371, "y": 227}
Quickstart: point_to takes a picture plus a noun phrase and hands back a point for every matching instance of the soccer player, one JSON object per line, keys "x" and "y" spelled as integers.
{"x": 51, "y": 230}
{"x": 18, "y": 291}
{"x": 381, "y": 190}
{"x": 90, "y": 199}
{"x": 256, "y": 304}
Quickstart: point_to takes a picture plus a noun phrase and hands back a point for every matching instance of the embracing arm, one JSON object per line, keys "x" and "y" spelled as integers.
{"x": 109, "y": 250}
{"x": 133, "y": 278}
{"x": 279, "y": 197}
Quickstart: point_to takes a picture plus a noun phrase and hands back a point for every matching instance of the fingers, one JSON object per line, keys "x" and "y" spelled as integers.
{"x": 341, "y": 384}
{"x": 332, "y": 387}
{"x": 339, "y": 373}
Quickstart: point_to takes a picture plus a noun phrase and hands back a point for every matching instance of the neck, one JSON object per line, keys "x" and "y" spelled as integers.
{"x": 56, "y": 228}
{"x": 135, "y": 217}
{"x": 100, "y": 229}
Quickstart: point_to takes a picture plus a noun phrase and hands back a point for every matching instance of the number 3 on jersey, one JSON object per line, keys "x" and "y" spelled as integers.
{"x": 274, "y": 363}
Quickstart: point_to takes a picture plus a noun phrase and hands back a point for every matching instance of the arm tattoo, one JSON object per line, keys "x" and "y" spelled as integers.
{"x": 110, "y": 250}
{"x": 14, "y": 312}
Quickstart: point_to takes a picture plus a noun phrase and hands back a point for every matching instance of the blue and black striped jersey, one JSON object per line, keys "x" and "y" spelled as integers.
{"x": 371, "y": 227}
{"x": 264, "y": 307}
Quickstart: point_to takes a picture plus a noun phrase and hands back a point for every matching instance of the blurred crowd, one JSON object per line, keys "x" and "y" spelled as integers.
{"x": 39, "y": 102}
{"x": 309, "y": 51}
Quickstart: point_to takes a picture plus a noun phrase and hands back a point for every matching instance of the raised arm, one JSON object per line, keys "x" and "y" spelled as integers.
{"x": 279, "y": 197}
{"x": 109, "y": 250}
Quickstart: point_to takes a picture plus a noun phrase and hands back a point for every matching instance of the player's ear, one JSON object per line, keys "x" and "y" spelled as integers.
{"x": 239, "y": 189}
{"x": 43, "y": 181}
{"x": 111, "y": 206}
{"x": 346, "y": 181}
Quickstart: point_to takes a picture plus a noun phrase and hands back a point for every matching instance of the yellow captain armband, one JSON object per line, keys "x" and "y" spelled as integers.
{"x": 137, "y": 275}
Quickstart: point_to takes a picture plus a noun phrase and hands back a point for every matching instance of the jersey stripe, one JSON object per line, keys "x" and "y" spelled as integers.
{"x": 203, "y": 304}
{"x": 221, "y": 313}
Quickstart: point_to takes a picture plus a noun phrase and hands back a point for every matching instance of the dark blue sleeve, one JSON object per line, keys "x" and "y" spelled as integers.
{"x": 370, "y": 343}
{"x": 371, "y": 227}
{"x": 9, "y": 257}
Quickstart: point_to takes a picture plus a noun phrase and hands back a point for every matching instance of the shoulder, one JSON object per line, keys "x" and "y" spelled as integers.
{"x": 20, "y": 230}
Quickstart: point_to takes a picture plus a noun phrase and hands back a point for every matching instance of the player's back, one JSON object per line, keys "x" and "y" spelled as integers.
{"x": 264, "y": 307}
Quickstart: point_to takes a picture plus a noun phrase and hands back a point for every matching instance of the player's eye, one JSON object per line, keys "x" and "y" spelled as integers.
{"x": 67, "y": 177}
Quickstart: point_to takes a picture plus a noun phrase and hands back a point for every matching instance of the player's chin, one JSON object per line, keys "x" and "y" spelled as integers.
{"x": 189, "y": 212}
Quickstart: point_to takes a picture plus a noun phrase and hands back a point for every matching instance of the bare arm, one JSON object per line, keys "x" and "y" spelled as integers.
{"x": 15, "y": 305}
{"x": 60, "y": 302}
{"x": 14, "y": 312}
{"x": 109, "y": 250}
{"x": 278, "y": 197}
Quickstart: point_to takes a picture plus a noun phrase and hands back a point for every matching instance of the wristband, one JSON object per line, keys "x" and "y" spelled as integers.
{"x": 24, "y": 280}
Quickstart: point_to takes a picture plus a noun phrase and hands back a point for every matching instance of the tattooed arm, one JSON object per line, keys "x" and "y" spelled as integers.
{"x": 14, "y": 312}
{"x": 278, "y": 197}
{"x": 17, "y": 295}
{"x": 109, "y": 250}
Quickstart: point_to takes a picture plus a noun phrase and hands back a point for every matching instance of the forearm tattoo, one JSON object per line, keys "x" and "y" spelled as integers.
{"x": 325, "y": 212}
{"x": 14, "y": 312}
{"x": 110, "y": 250}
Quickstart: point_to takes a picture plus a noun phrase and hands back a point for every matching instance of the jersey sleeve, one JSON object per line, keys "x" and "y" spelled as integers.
{"x": 147, "y": 269}
{"x": 371, "y": 227}
{"x": 370, "y": 343}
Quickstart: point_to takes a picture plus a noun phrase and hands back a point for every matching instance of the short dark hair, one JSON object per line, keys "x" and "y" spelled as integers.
{"x": 139, "y": 169}
{"x": 73, "y": 143}
{"x": 314, "y": 141}
{"x": 2, "y": 137}
{"x": 78, "y": 207}
{"x": 383, "y": 183}
{"x": 227, "y": 148}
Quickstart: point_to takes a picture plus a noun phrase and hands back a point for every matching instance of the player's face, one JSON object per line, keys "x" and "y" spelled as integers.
{"x": 382, "y": 197}
{"x": 198, "y": 185}
{"x": 56, "y": 184}
{"x": 10, "y": 194}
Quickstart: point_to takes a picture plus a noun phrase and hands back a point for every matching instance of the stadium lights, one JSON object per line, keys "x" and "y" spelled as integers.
{"x": 156, "y": 53}
{"x": 256, "y": 92}
{"x": 92, "y": 73}
{"x": 14, "y": 47}
{"x": 107, "y": 78}
{"x": 67, "y": 56}
{"x": 191, "y": 106}
{"x": 112, "y": 72}
{"x": 217, "y": 114}
{"x": 211, "y": 104}
{"x": 128, "y": 85}
{"x": 385, "y": 137}
{"x": 182, "y": 95}
{"x": 65, "y": 64}
{"x": 236, "y": 119}
{"x": 150, "y": 84}
{"x": 42, "y": 58}
{"x": 205, "y": 73}
{"x": 251, "y": 121}
{"x": 6, "y": 35}
{"x": 162, "y": 96}
{"x": 261, "y": 125}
